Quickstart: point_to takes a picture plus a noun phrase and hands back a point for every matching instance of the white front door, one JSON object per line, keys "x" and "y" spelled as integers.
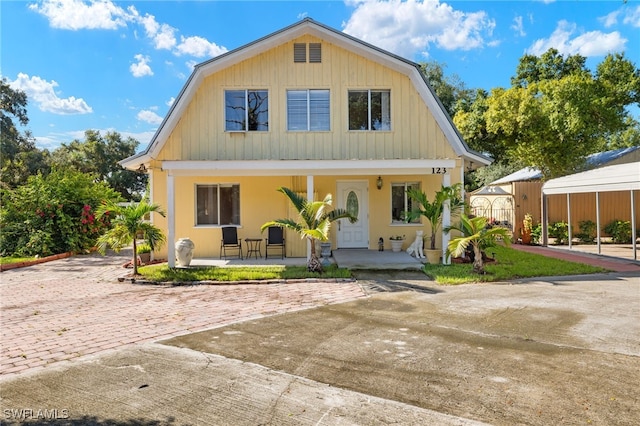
{"x": 353, "y": 196}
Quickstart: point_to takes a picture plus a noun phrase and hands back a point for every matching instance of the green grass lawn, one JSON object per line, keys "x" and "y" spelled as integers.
{"x": 10, "y": 260}
{"x": 510, "y": 264}
{"x": 224, "y": 274}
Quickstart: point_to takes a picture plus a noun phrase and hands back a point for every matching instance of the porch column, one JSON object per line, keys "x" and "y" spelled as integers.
{"x": 598, "y": 222}
{"x": 569, "y": 233}
{"x": 545, "y": 219}
{"x": 309, "y": 198}
{"x": 446, "y": 221}
{"x": 171, "y": 221}
{"x": 633, "y": 226}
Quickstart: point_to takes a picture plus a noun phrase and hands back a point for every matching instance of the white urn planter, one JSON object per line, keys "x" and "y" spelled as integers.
{"x": 396, "y": 245}
{"x": 184, "y": 251}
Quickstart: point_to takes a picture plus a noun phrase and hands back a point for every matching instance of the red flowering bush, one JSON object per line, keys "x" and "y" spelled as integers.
{"x": 53, "y": 214}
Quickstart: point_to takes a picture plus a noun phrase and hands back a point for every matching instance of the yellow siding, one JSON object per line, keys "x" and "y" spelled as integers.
{"x": 260, "y": 202}
{"x": 200, "y": 134}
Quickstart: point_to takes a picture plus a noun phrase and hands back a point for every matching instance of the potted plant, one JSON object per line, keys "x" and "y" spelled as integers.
{"x": 144, "y": 253}
{"x": 433, "y": 211}
{"x": 396, "y": 242}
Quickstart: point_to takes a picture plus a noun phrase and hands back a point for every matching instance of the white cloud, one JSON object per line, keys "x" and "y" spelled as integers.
{"x": 410, "y": 26}
{"x": 592, "y": 43}
{"x": 104, "y": 14}
{"x": 43, "y": 93}
{"x": 191, "y": 65}
{"x": 517, "y": 26}
{"x": 162, "y": 35}
{"x": 149, "y": 117}
{"x": 170, "y": 101}
{"x": 198, "y": 47}
{"x": 76, "y": 14}
{"x": 632, "y": 17}
{"x": 610, "y": 20}
{"x": 141, "y": 68}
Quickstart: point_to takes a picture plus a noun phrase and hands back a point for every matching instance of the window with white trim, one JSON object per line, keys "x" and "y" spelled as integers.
{"x": 401, "y": 203}
{"x": 308, "y": 110}
{"x": 369, "y": 109}
{"x": 246, "y": 110}
{"x": 218, "y": 204}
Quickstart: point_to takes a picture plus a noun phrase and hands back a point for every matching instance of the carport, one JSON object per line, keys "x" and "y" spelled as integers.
{"x": 622, "y": 177}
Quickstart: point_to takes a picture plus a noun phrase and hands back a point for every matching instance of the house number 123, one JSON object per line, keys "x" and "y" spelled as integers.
{"x": 439, "y": 170}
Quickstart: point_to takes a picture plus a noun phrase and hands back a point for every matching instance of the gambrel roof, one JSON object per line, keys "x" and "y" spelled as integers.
{"x": 304, "y": 27}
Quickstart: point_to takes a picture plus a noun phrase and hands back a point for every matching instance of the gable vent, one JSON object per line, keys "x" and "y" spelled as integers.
{"x": 299, "y": 52}
{"x": 315, "y": 52}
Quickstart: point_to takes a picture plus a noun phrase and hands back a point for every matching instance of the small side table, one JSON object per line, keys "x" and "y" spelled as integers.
{"x": 253, "y": 247}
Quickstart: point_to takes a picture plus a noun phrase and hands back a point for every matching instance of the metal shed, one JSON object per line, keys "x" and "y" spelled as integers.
{"x": 622, "y": 177}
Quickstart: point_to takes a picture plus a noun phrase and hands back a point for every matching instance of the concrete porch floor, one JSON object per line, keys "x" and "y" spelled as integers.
{"x": 345, "y": 258}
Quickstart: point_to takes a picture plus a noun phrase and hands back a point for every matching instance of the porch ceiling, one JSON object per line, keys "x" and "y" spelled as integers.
{"x": 306, "y": 167}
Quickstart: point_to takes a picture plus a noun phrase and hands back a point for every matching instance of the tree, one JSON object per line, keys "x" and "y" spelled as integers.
{"x": 433, "y": 210}
{"x": 53, "y": 214}
{"x": 19, "y": 157}
{"x": 449, "y": 89}
{"x": 314, "y": 222}
{"x": 476, "y": 233}
{"x": 127, "y": 221}
{"x": 551, "y": 65}
{"x": 100, "y": 155}
{"x": 556, "y": 113}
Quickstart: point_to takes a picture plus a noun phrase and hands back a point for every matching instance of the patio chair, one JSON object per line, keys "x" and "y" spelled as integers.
{"x": 275, "y": 238}
{"x": 230, "y": 241}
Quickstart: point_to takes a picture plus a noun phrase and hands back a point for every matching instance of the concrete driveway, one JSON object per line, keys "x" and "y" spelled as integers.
{"x": 80, "y": 348}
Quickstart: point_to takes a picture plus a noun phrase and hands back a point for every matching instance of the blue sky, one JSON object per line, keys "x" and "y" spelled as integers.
{"x": 118, "y": 65}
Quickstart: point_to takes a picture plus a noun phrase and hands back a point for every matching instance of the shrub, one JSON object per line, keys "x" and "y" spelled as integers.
{"x": 587, "y": 231}
{"x": 536, "y": 234}
{"x": 619, "y": 231}
{"x": 52, "y": 214}
{"x": 559, "y": 231}
{"x": 143, "y": 248}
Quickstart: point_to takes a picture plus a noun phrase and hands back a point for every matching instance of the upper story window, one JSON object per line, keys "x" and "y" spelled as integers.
{"x": 401, "y": 203}
{"x": 246, "y": 110}
{"x": 218, "y": 204}
{"x": 369, "y": 110}
{"x": 300, "y": 53}
{"x": 308, "y": 110}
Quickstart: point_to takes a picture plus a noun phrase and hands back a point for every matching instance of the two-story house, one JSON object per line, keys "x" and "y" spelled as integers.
{"x": 312, "y": 109}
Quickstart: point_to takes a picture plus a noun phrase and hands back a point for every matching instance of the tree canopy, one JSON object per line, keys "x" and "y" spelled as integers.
{"x": 19, "y": 157}
{"x": 556, "y": 113}
{"x": 99, "y": 155}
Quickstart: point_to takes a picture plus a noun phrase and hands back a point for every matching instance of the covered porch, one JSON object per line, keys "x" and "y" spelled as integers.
{"x": 259, "y": 180}
{"x": 352, "y": 259}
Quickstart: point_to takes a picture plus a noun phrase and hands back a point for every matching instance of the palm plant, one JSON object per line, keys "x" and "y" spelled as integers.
{"x": 126, "y": 223}
{"x": 476, "y": 233}
{"x": 433, "y": 210}
{"x": 314, "y": 222}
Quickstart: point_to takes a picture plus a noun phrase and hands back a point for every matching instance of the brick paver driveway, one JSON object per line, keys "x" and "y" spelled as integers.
{"x": 72, "y": 307}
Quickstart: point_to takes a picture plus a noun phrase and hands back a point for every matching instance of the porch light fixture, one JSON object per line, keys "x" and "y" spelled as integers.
{"x": 379, "y": 182}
